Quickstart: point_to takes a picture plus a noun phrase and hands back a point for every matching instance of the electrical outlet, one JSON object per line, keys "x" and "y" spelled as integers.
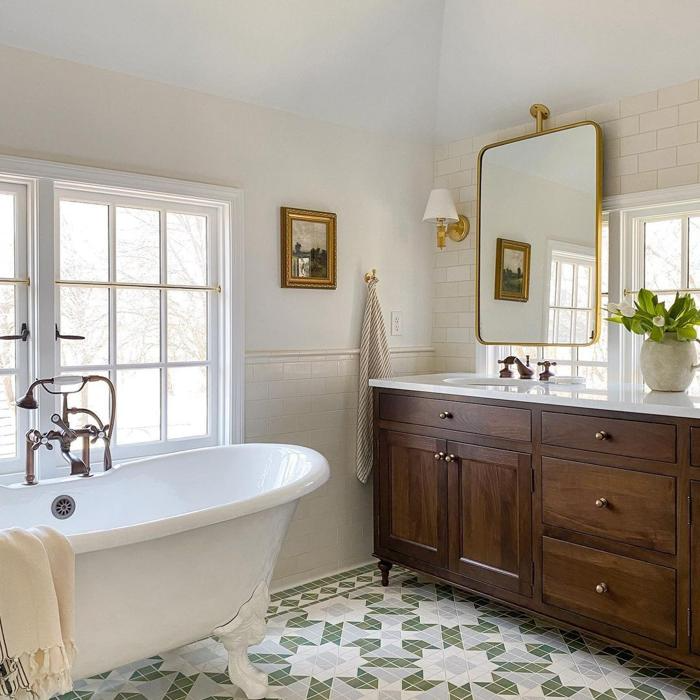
{"x": 396, "y": 323}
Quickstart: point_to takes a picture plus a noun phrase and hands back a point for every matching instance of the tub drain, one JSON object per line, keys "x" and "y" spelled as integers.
{"x": 63, "y": 507}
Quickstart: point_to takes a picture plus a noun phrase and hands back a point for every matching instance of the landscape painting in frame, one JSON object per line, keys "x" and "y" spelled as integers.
{"x": 308, "y": 248}
{"x": 512, "y": 270}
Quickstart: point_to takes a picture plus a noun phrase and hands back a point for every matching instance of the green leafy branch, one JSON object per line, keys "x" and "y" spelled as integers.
{"x": 646, "y": 315}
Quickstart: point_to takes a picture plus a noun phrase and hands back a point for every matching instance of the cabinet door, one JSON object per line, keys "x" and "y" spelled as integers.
{"x": 695, "y": 567}
{"x": 412, "y": 494}
{"x": 490, "y": 516}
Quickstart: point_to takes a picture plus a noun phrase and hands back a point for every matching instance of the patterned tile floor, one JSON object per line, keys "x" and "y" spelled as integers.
{"x": 345, "y": 637}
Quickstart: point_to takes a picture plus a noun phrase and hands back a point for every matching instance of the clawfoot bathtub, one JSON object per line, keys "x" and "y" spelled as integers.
{"x": 174, "y": 548}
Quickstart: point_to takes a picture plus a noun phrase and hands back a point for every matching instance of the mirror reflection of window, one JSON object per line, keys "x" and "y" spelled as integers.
{"x": 571, "y": 311}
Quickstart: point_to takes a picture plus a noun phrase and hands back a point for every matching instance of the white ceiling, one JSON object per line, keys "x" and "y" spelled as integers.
{"x": 441, "y": 69}
{"x": 500, "y": 56}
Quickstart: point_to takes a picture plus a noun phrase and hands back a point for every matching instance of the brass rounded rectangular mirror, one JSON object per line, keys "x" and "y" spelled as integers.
{"x": 538, "y": 238}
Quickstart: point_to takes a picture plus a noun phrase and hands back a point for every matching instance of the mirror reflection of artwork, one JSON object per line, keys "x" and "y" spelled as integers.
{"x": 308, "y": 248}
{"x": 512, "y": 270}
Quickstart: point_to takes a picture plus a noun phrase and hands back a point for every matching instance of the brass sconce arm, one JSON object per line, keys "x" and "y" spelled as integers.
{"x": 456, "y": 231}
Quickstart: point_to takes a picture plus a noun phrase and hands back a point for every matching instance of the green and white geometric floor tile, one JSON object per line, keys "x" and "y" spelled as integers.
{"x": 345, "y": 637}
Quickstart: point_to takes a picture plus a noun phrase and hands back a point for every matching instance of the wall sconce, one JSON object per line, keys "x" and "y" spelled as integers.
{"x": 441, "y": 210}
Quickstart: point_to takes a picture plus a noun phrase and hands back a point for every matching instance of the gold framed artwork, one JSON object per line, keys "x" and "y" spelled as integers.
{"x": 308, "y": 248}
{"x": 512, "y": 270}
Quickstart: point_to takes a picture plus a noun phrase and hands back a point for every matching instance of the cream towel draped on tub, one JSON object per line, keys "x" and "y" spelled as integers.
{"x": 375, "y": 363}
{"x": 37, "y": 601}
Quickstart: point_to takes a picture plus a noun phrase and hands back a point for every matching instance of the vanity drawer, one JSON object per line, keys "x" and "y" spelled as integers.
{"x": 626, "y": 438}
{"x": 494, "y": 421}
{"x": 633, "y": 595}
{"x": 633, "y": 507}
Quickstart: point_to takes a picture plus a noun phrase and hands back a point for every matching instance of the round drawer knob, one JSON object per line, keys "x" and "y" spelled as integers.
{"x": 450, "y": 458}
{"x": 439, "y": 455}
{"x": 601, "y": 502}
{"x": 445, "y": 414}
{"x": 601, "y": 588}
{"x": 601, "y": 435}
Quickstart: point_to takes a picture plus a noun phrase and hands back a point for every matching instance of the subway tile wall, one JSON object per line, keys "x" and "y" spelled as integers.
{"x": 310, "y": 399}
{"x": 650, "y": 142}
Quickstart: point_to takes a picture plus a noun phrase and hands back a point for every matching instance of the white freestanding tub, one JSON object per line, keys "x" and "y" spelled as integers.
{"x": 174, "y": 548}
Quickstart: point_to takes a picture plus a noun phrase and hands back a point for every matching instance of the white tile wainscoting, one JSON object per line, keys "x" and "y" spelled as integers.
{"x": 310, "y": 398}
{"x": 651, "y": 141}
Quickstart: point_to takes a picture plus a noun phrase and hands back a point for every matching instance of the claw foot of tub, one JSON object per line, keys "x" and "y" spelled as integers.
{"x": 246, "y": 629}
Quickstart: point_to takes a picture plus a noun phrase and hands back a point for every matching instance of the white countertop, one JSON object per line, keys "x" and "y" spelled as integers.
{"x": 634, "y": 398}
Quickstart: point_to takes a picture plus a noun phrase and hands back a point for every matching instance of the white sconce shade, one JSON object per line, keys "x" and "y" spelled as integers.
{"x": 440, "y": 207}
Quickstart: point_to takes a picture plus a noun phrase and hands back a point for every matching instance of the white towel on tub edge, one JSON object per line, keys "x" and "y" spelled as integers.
{"x": 37, "y": 612}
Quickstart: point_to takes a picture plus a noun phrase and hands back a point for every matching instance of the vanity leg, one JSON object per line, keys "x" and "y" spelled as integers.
{"x": 385, "y": 568}
{"x": 246, "y": 629}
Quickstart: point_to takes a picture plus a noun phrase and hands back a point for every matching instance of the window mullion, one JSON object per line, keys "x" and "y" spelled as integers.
{"x": 112, "y": 260}
{"x": 45, "y": 307}
{"x": 685, "y": 253}
{"x": 112, "y": 309}
{"x": 22, "y": 297}
{"x": 163, "y": 326}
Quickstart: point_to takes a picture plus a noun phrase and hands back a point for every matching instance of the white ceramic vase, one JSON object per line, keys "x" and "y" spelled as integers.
{"x": 669, "y": 365}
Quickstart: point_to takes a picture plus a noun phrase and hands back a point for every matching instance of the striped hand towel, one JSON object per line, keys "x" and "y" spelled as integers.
{"x": 375, "y": 363}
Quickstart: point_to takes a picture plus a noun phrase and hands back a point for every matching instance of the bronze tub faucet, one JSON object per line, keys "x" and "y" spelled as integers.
{"x": 64, "y": 434}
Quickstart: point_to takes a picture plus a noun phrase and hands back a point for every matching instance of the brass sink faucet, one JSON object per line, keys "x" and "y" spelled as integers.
{"x": 524, "y": 370}
{"x": 66, "y": 435}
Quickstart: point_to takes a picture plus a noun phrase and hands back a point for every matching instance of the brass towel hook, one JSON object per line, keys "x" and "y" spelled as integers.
{"x": 371, "y": 275}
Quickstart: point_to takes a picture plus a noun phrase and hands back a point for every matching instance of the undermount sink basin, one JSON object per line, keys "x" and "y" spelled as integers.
{"x": 512, "y": 384}
{"x": 495, "y": 381}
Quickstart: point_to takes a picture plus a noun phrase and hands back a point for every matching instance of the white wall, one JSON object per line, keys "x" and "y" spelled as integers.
{"x": 63, "y": 111}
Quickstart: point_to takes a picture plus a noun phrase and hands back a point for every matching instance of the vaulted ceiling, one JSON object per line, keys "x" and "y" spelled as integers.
{"x": 427, "y": 69}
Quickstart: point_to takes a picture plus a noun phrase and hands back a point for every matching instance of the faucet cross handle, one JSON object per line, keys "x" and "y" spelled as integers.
{"x": 506, "y": 372}
{"x": 37, "y": 439}
{"x": 546, "y": 374}
{"x": 96, "y": 433}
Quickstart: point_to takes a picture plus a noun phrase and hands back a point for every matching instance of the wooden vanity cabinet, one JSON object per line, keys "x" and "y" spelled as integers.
{"x": 694, "y": 519}
{"x": 590, "y": 518}
{"x": 412, "y": 489}
{"x": 489, "y": 516}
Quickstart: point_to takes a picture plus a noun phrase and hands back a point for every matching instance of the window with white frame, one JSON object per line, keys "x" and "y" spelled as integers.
{"x": 136, "y": 281}
{"x": 661, "y": 252}
{"x": 133, "y": 283}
